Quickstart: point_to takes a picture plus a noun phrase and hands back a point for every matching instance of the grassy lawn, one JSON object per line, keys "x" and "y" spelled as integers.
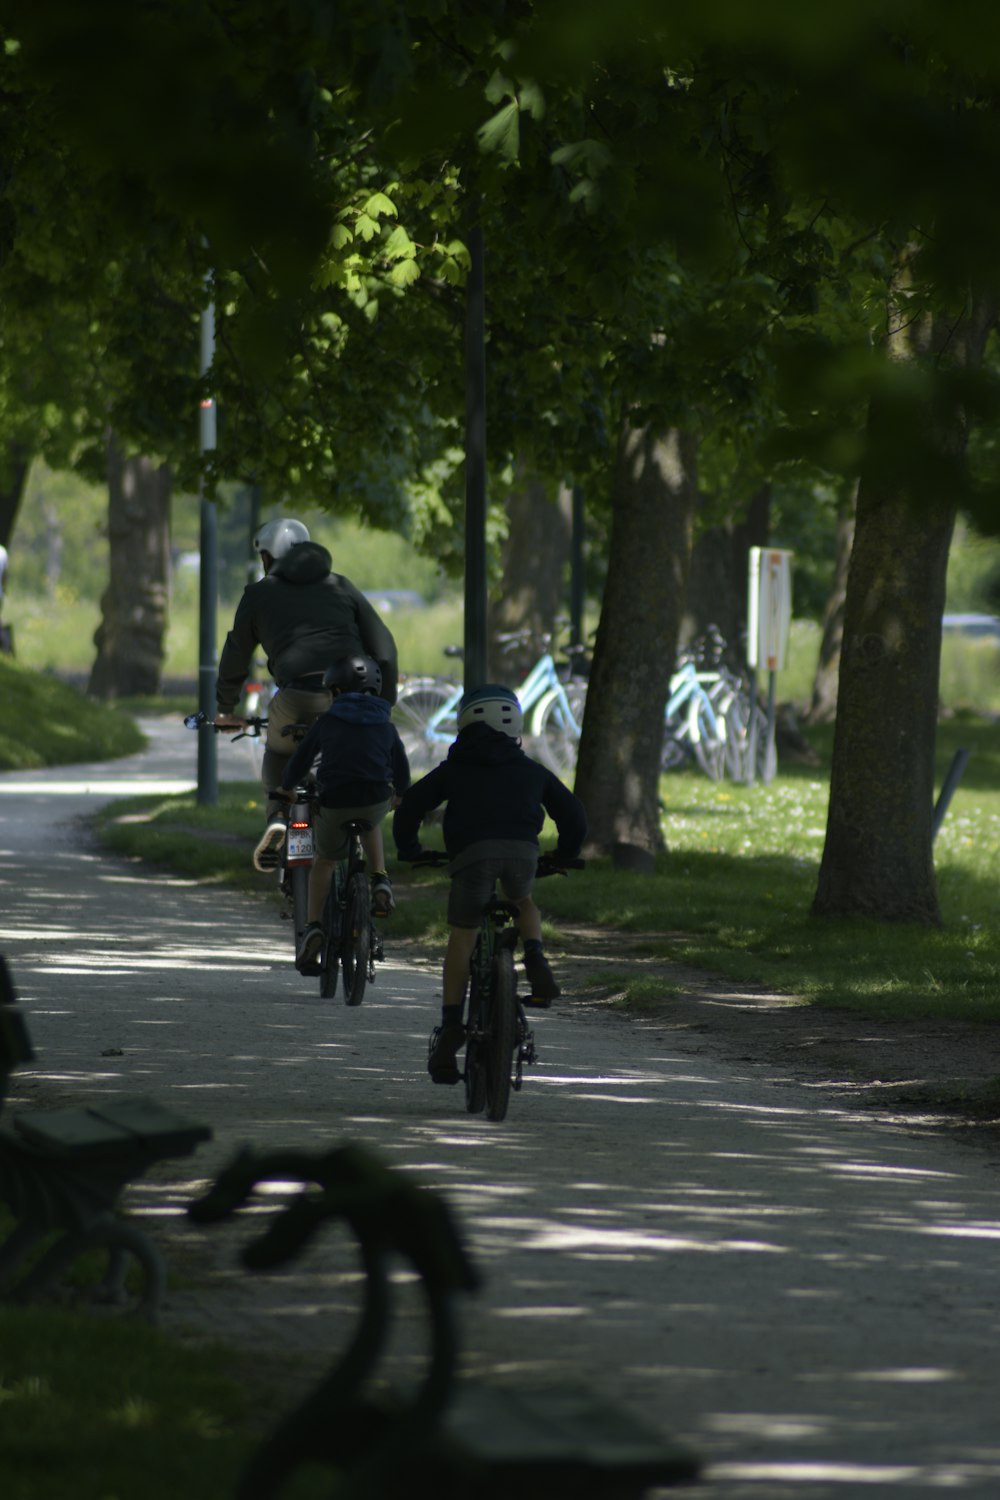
{"x": 732, "y": 895}
{"x": 47, "y": 723}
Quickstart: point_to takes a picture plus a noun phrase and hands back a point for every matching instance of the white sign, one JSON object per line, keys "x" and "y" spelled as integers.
{"x": 769, "y": 612}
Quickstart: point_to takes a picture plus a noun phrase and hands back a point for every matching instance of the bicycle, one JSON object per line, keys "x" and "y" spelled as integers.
{"x": 426, "y": 709}
{"x": 298, "y": 848}
{"x": 499, "y": 1042}
{"x": 352, "y": 941}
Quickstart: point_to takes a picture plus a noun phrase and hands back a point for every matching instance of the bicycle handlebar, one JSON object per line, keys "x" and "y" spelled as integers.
{"x": 201, "y": 720}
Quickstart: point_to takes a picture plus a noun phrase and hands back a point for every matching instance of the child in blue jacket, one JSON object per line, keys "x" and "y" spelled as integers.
{"x": 362, "y": 773}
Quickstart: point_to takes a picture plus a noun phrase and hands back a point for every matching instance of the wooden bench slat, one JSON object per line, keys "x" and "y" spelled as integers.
{"x": 140, "y": 1125}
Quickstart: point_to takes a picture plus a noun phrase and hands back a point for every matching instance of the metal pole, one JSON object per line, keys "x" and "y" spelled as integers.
{"x": 475, "y": 465}
{"x": 577, "y": 653}
{"x": 208, "y": 775}
{"x": 959, "y": 761}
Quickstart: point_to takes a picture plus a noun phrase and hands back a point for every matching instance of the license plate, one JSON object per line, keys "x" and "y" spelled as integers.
{"x": 300, "y": 847}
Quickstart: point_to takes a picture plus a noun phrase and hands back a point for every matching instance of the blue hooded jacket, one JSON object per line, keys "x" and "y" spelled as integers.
{"x": 361, "y": 756}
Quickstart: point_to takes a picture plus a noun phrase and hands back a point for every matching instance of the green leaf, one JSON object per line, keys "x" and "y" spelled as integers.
{"x": 532, "y": 100}
{"x": 502, "y": 133}
{"x": 404, "y": 273}
{"x": 379, "y": 204}
{"x": 366, "y": 227}
{"x": 499, "y": 87}
{"x": 399, "y": 246}
{"x": 341, "y": 236}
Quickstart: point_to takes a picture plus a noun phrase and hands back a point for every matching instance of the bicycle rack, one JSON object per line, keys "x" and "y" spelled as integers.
{"x": 461, "y": 1441}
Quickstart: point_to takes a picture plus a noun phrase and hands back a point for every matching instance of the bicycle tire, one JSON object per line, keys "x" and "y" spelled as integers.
{"x": 475, "y": 1057}
{"x": 298, "y": 878}
{"x": 709, "y": 748}
{"x": 501, "y": 1033}
{"x": 416, "y": 704}
{"x": 558, "y": 736}
{"x": 330, "y": 959}
{"x": 737, "y": 715}
{"x": 355, "y": 939}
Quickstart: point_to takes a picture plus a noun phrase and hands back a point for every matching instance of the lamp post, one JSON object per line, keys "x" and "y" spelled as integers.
{"x": 208, "y": 579}
{"x": 475, "y": 466}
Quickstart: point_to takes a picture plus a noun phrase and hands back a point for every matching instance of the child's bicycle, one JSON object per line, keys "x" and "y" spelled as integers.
{"x": 498, "y": 1040}
{"x": 352, "y": 941}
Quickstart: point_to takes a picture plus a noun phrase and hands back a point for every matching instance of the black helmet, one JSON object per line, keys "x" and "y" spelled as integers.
{"x": 354, "y": 674}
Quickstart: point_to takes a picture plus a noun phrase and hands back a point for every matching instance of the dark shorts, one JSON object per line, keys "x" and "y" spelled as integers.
{"x": 474, "y": 882}
{"x": 331, "y": 840}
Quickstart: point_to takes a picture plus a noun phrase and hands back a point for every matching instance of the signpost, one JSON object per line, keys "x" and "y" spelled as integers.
{"x": 769, "y": 617}
{"x": 208, "y": 575}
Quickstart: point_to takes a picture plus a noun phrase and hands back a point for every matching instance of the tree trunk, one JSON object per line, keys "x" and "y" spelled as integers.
{"x": 718, "y": 583}
{"x": 129, "y": 639}
{"x": 823, "y": 708}
{"x": 533, "y": 593}
{"x": 13, "y": 476}
{"x": 877, "y": 860}
{"x": 618, "y": 771}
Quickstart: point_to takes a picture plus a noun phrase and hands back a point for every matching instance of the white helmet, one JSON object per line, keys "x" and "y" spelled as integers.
{"x": 494, "y": 705}
{"x": 278, "y": 537}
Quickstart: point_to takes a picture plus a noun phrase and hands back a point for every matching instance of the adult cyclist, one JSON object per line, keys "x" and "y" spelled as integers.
{"x": 303, "y": 616}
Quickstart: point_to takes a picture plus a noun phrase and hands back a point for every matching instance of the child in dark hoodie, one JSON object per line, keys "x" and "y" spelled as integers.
{"x": 497, "y": 798}
{"x": 363, "y": 771}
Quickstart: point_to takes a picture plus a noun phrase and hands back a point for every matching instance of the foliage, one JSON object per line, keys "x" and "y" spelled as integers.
{"x": 47, "y": 723}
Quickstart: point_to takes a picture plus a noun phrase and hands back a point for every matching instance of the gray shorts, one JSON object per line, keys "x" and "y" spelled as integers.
{"x": 473, "y": 884}
{"x": 331, "y": 840}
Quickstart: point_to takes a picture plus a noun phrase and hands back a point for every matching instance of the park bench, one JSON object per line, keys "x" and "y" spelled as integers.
{"x": 62, "y": 1173}
{"x": 456, "y": 1439}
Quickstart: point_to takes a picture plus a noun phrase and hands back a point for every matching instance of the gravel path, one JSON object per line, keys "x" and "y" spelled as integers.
{"x": 805, "y": 1295}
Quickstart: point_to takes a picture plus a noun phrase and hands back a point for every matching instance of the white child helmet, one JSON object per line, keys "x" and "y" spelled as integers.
{"x": 278, "y": 537}
{"x": 494, "y": 705}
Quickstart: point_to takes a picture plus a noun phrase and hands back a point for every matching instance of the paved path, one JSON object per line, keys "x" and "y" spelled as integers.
{"x": 807, "y": 1297}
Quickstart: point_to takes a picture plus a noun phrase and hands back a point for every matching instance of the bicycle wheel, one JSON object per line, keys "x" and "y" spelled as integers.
{"x": 298, "y": 880}
{"x": 330, "y": 960}
{"x": 475, "y": 1057}
{"x": 557, "y": 724}
{"x": 355, "y": 938}
{"x": 706, "y": 741}
{"x": 501, "y": 1033}
{"x": 424, "y": 715}
{"x": 737, "y": 713}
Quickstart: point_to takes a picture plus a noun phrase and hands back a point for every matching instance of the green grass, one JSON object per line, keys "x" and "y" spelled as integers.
{"x": 731, "y": 896}
{"x": 47, "y": 723}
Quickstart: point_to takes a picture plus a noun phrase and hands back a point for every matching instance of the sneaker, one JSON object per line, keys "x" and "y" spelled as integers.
{"x": 544, "y": 988}
{"x": 383, "y": 901}
{"x": 267, "y": 855}
{"x": 446, "y": 1041}
{"x": 307, "y": 961}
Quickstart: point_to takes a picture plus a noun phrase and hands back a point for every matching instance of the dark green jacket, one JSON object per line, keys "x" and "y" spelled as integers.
{"x": 304, "y": 617}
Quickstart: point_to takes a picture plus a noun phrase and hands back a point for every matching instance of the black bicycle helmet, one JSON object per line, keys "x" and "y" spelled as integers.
{"x": 494, "y": 705}
{"x": 354, "y": 674}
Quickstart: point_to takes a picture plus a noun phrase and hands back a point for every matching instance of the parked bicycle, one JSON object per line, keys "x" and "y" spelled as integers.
{"x": 294, "y": 858}
{"x": 499, "y": 1042}
{"x": 352, "y": 941}
{"x": 552, "y": 702}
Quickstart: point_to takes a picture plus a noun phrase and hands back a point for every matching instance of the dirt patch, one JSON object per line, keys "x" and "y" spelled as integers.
{"x": 931, "y": 1074}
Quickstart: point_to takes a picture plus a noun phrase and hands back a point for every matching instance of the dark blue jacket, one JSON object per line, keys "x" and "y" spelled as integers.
{"x": 361, "y": 754}
{"x": 493, "y": 791}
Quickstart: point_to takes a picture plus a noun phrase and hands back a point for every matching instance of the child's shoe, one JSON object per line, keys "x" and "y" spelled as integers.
{"x": 383, "y": 901}
{"x": 446, "y": 1041}
{"x": 307, "y": 961}
{"x": 544, "y": 988}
